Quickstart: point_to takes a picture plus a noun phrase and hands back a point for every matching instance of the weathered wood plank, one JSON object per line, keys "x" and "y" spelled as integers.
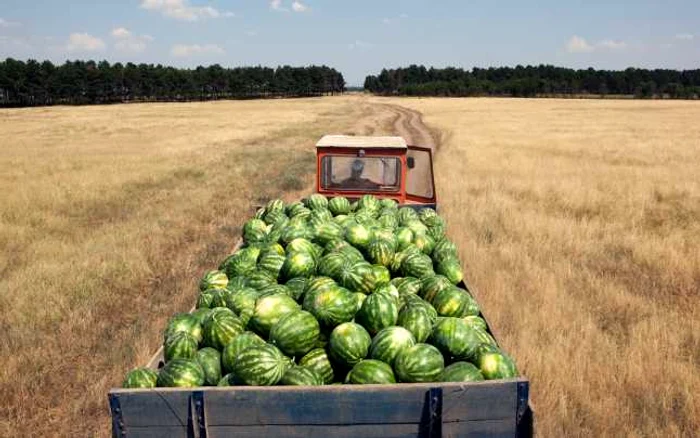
{"x": 157, "y": 432}
{"x": 156, "y": 407}
{"x": 366, "y": 404}
{"x": 503, "y": 428}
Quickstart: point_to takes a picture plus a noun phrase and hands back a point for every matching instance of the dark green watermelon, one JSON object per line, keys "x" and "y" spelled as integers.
{"x": 212, "y": 279}
{"x": 349, "y": 344}
{"x": 451, "y": 269}
{"x": 255, "y": 230}
{"x": 220, "y": 328}
{"x": 316, "y": 202}
{"x": 424, "y": 242}
{"x": 453, "y": 301}
{"x": 261, "y": 365}
{"x": 497, "y": 365}
{"x": 140, "y": 378}
{"x": 377, "y": 312}
{"x": 431, "y": 285}
{"x": 269, "y": 310}
{"x": 301, "y": 376}
{"x": 416, "y": 265}
{"x": 234, "y": 348}
{"x": 271, "y": 262}
{"x": 296, "y": 333}
{"x": 331, "y": 306}
{"x": 461, "y": 372}
{"x": 317, "y": 360}
{"x": 475, "y": 321}
{"x": 389, "y": 342}
{"x": 184, "y": 322}
{"x": 339, "y": 205}
{"x": 370, "y": 371}
{"x": 210, "y": 360}
{"x": 183, "y": 373}
{"x": 242, "y": 303}
{"x": 455, "y": 339}
{"x": 416, "y": 320}
{"x": 358, "y": 235}
{"x": 201, "y": 314}
{"x": 296, "y": 287}
{"x": 298, "y": 264}
{"x": 179, "y": 345}
{"x": 331, "y": 265}
{"x": 419, "y": 363}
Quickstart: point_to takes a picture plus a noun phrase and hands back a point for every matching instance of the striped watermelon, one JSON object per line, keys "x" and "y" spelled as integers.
{"x": 387, "y": 236}
{"x": 419, "y": 363}
{"x": 296, "y": 287}
{"x": 182, "y": 373}
{"x": 339, "y": 205}
{"x": 407, "y": 285}
{"x": 259, "y": 279}
{"x": 389, "y": 290}
{"x": 455, "y": 339}
{"x": 210, "y": 360}
{"x": 349, "y": 344}
{"x": 271, "y": 262}
{"x": 184, "y": 322}
{"x": 424, "y": 242}
{"x": 316, "y": 202}
{"x": 274, "y": 289}
{"x": 295, "y": 230}
{"x": 298, "y": 264}
{"x": 417, "y": 227}
{"x": 241, "y": 262}
{"x": 327, "y": 232}
{"x": 220, "y": 328}
{"x": 461, "y": 372}
{"x": 242, "y": 302}
{"x": 294, "y": 208}
{"x": 451, "y": 269}
{"x": 427, "y": 214}
{"x": 234, "y": 348}
{"x": 443, "y": 250}
{"x": 497, "y": 365}
{"x": 380, "y": 252}
{"x": 296, "y": 333}
{"x": 416, "y": 301}
{"x": 389, "y": 342}
{"x": 261, "y": 365}
{"x": 416, "y": 265}
{"x": 269, "y": 310}
{"x": 416, "y": 320}
{"x": 331, "y": 264}
{"x": 368, "y": 202}
{"x": 475, "y": 321}
{"x": 271, "y": 248}
{"x": 301, "y": 376}
{"x": 212, "y": 279}
{"x": 353, "y": 254}
{"x": 140, "y": 378}
{"x": 377, "y": 312}
{"x": 218, "y": 297}
{"x": 404, "y": 237}
{"x": 431, "y": 285}
{"x": 388, "y": 220}
{"x": 381, "y": 275}
{"x": 453, "y": 301}
{"x": 370, "y": 371}
{"x": 318, "y": 361}
{"x": 358, "y": 277}
{"x": 331, "y": 306}
{"x": 204, "y": 300}
{"x": 360, "y": 298}
{"x": 201, "y": 314}
{"x": 236, "y": 283}
{"x": 406, "y": 215}
{"x": 305, "y": 246}
{"x": 358, "y": 235}
{"x": 389, "y": 204}
{"x": 254, "y": 231}
{"x": 179, "y": 345}
{"x": 313, "y": 286}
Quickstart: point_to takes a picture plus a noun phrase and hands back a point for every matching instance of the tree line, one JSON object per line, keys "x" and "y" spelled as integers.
{"x": 33, "y": 83}
{"x": 532, "y": 81}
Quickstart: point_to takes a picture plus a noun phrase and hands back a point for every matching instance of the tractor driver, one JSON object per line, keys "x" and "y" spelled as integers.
{"x": 355, "y": 181}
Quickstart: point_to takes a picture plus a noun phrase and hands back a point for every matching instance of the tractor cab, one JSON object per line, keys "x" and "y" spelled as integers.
{"x": 385, "y": 167}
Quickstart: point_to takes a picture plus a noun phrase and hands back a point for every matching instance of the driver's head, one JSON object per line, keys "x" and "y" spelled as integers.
{"x": 357, "y": 167}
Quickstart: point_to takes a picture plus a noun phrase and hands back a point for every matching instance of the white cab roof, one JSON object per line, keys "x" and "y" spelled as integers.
{"x": 357, "y": 141}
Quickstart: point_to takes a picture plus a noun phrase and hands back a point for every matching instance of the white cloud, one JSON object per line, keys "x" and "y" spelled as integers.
{"x": 180, "y": 9}
{"x": 298, "y": 6}
{"x": 685, "y": 36}
{"x": 390, "y": 20}
{"x": 121, "y": 32}
{"x": 612, "y": 45}
{"x": 358, "y": 44}
{"x": 578, "y": 45}
{"x": 84, "y": 42}
{"x": 276, "y": 5}
{"x": 6, "y": 23}
{"x": 228, "y": 14}
{"x": 187, "y": 50}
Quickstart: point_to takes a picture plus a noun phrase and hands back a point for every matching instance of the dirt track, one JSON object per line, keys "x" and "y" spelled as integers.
{"x": 409, "y": 124}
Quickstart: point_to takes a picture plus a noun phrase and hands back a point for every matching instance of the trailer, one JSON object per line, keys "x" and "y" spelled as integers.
{"x": 346, "y": 166}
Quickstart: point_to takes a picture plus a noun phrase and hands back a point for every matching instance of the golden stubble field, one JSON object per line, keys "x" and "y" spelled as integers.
{"x": 578, "y": 223}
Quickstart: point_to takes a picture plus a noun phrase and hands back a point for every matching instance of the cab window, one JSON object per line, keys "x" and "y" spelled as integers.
{"x": 342, "y": 172}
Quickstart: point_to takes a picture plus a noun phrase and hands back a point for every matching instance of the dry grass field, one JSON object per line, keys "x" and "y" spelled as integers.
{"x": 579, "y": 225}
{"x": 108, "y": 216}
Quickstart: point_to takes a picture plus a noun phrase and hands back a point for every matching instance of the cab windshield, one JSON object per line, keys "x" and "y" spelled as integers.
{"x": 342, "y": 172}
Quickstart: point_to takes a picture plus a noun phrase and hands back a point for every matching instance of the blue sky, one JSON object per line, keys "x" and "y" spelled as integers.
{"x": 358, "y": 37}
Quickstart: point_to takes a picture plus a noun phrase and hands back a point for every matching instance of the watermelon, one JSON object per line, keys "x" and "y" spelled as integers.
{"x": 453, "y": 301}
{"x": 298, "y": 264}
{"x": 443, "y": 250}
{"x": 301, "y": 376}
{"x": 254, "y": 231}
{"x": 331, "y": 306}
{"x": 451, "y": 269}
{"x": 426, "y": 214}
{"x": 218, "y": 297}
{"x": 296, "y": 287}
{"x": 353, "y": 254}
{"x": 377, "y": 312}
{"x": 349, "y": 344}
{"x": 431, "y": 285}
{"x": 212, "y": 279}
{"x": 380, "y": 252}
{"x": 381, "y": 275}
{"x": 315, "y": 285}
{"x": 406, "y": 215}
{"x": 318, "y": 361}
{"x": 220, "y": 328}
{"x": 407, "y": 285}
{"x": 259, "y": 279}
{"x": 241, "y": 262}
{"x": 204, "y": 300}
{"x": 339, "y": 205}
{"x": 234, "y": 348}
{"x": 179, "y": 345}
{"x": 358, "y": 235}
{"x": 294, "y": 208}
{"x": 242, "y": 302}
{"x": 370, "y": 371}
{"x": 295, "y": 230}
{"x": 140, "y": 378}
{"x": 386, "y": 235}
{"x": 296, "y": 333}
{"x": 327, "y": 232}
{"x": 360, "y": 298}
{"x": 316, "y": 202}
{"x": 419, "y": 363}
{"x": 455, "y": 339}
{"x": 389, "y": 290}
{"x": 424, "y": 242}
{"x": 274, "y": 217}
{"x": 416, "y": 320}
{"x": 475, "y": 321}
{"x": 389, "y": 204}
{"x": 417, "y": 227}
{"x": 271, "y": 248}
{"x": 416, "y": 301}
{"x": 201, "y": 314}
{"x": 331, "y": 264}
{"x": 404, "y": 237}
{"x": 368, "y": 202}
{"x": 184, "y": 322}
{"x": 261, "y": 365}
{"x": 461, "y": 372}
{"x": 271, "y": 262}
{"x": 236, "y": 283}
{"x": 358, "y": 277}
{"x": 416, "y": 265}
{"x": 275, "y": 289}
{"x": 269, "y": 310}
{"x": 210, "y": 360}
{"x": 497, "y": 365}
{"x": 389, "y": 342}
{"x": 182, "y": 373}
{"x": 275, "y": 205}
{"x": 388, "y": 220}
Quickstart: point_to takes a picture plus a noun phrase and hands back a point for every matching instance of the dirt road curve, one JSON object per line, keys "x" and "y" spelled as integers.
{"x": 409, "y": 124}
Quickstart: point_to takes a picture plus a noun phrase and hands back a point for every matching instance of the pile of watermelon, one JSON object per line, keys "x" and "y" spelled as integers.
{"x": 328, "y": 292}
